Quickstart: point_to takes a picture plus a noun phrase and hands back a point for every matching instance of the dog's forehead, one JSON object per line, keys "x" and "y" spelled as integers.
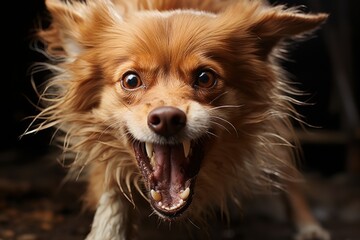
{"x": 172, "y": 34}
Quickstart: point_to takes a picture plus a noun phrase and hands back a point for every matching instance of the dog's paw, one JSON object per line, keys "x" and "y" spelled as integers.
{"x": 312, "y": 232}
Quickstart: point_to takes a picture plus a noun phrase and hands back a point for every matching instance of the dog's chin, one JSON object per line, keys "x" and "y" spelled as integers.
{"x": 169, "y": 171}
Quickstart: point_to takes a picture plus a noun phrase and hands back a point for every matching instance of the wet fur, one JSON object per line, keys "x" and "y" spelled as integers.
{"x": 253, "y": 145}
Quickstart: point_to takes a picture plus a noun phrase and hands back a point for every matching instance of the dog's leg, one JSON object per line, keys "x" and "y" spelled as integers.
{"x": 110, "y": 219}
{"x": 307, "y": 226}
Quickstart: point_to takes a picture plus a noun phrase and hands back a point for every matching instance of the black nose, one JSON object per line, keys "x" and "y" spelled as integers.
{"x": 166, "y": 121}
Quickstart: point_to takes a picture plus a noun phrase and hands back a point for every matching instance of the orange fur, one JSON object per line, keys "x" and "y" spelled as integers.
{"x": 245, "y": 116}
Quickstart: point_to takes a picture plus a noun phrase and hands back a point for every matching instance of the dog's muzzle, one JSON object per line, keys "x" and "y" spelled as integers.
{"x": 169, "y": 170}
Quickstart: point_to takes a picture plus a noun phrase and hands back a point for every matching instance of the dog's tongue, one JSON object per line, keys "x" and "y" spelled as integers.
{"x": 169, "y": 174}
{"x": 169, "y": 170}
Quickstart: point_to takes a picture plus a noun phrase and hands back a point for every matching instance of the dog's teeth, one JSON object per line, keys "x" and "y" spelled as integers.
{"x": 185, "y": 194}
{"x": 149, "y": 149}
{"x": 186, "y": 146}
{"x": 155, "y": 195}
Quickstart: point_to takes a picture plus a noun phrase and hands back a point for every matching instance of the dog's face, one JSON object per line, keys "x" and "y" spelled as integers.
{"x": 168, "y": 93}
{"x": 173, "y": 87}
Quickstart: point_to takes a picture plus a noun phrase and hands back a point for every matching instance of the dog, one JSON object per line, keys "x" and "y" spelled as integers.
{"x": 180, "y": 104}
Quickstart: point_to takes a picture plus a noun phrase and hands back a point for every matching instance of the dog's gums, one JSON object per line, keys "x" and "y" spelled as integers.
{"x": 170, "y": 172}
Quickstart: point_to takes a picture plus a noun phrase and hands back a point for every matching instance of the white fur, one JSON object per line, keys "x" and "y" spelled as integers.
{"x": 312, "y": 231}
{"x": 109, "y": 219}
{"x": 198, "y": 122}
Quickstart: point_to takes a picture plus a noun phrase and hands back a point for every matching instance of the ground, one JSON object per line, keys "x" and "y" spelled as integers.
{"x": 35, "y": 204}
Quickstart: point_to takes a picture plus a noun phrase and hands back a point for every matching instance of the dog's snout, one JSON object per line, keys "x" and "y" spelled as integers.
{"x": 166, "y": 121}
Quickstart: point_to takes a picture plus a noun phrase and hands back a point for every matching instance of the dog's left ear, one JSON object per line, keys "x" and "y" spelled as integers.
{"x": 268, "y": 25}
{"x": 276, "y": 24}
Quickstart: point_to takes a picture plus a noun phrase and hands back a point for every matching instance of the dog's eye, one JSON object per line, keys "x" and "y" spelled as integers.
{"x": 205, "y": 79}
{"x": 131, "y": 81}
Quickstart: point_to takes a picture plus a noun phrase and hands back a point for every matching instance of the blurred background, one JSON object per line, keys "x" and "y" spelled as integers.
{"x": 33, "y": 206}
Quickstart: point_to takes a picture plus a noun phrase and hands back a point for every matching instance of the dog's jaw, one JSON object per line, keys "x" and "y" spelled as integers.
{"x": 169, "y": 171}
{"x": 169, "y": 158}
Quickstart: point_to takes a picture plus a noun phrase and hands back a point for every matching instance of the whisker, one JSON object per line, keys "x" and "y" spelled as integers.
{"x": 159, "y": 223}
{"x": 219, "y": 96}
{"x": 222, "y": 126}
{"x": 232, "y": 125}
{"x": 226, "y": 106}
{"x": 212, "y": 134}
{"x": 152, "y": 214}
{"x": 192, "y": 223}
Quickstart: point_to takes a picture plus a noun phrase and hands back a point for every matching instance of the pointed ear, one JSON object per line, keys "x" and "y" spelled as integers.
{"x": 65, "y": 13}
{"x": 74, "y": 23}
{"x": 62, "y": 38}
{"x": 276, "y": 24}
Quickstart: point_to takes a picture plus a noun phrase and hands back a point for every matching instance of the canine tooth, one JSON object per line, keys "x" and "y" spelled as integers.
{"x": 155, "y": 195}
{"x": 185, "y": 194}
{"x": 186, "y": 146}
{"x": 149, "y": 149}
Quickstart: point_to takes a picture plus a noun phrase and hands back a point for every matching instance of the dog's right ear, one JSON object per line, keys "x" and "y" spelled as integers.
{"x": 63, "y": 36}
{"x": 75, "y": 23}
{"x": 66, "y": 13}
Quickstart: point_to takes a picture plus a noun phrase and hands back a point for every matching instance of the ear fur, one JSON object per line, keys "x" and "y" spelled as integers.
{"x": 66, "y": 13}
{"x": 67, "y": 21}
{"x": 270, "y": 25}
{"x": 267, "y": 24}
{"x": 278, "y": 24}
{"x": 73, "y": 24}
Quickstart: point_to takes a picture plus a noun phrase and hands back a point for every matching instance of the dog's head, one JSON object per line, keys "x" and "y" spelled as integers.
{"x": 174, "y": 86}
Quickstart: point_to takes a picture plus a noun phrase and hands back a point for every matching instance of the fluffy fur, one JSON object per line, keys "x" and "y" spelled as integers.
{"x": 114, "y": 62}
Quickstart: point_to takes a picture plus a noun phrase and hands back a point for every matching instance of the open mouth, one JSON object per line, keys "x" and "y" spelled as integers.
{"x": 169, "y": 172}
